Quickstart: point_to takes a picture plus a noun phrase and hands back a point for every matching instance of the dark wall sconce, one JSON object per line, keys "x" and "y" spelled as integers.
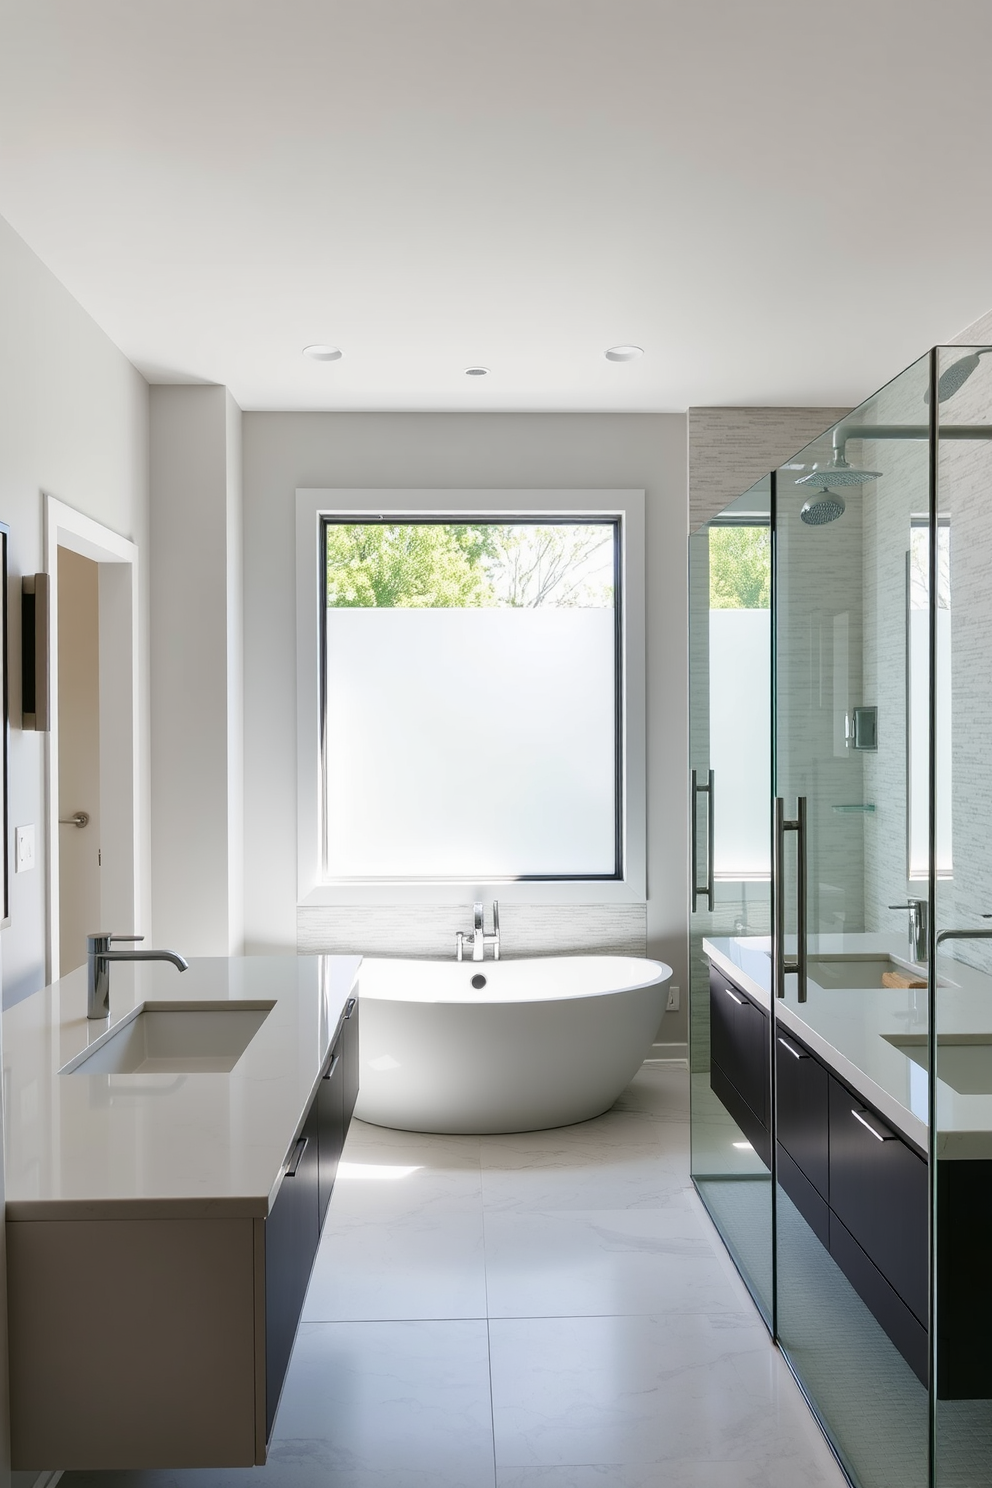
{"x": 35, "y": 640}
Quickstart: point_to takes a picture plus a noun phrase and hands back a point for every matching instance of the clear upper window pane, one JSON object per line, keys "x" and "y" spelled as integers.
{"x": 471, "y": 700}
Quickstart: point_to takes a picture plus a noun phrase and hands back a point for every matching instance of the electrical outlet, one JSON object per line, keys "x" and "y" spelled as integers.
{"x": 23, "y": 849}
{"x": 672, "y": 1005}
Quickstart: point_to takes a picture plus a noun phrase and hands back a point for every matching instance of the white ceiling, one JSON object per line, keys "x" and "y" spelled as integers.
{"x": 781, "y": 201}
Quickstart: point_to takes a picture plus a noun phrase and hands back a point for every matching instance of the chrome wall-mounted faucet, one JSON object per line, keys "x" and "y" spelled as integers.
{"x": 918, "y": 925}
{"x": 479, "y": 937}
{"x": 98, "y": 959}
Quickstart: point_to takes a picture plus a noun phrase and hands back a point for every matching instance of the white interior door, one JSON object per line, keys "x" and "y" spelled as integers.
{"x": 78, "y": 704}
{"x": 93, "y": 760}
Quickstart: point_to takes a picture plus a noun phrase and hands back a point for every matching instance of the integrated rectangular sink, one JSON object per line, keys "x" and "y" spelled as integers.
{"x": 163, "y": 1038}
{"x": 964, "y": 1060}
{"x": 856, "y": 971}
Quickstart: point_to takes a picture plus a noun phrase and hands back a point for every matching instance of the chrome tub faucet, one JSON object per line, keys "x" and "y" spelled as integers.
{"x": 98, "y": 959}
{"x": 479, "y": 937}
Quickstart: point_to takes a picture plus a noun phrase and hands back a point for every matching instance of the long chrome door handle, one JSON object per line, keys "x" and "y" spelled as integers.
{"x": 781, "y": 965}
{"x": 697, "y": 790}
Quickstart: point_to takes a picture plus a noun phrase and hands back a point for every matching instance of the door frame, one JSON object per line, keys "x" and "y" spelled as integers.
{"x": 119, "y": 714}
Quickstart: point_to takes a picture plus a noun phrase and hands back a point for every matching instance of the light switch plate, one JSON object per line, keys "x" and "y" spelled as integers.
{"x": 23, "y": 849}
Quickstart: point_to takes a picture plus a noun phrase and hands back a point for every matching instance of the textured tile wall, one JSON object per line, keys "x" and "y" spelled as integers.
{"x": 731, "y": 448}
{"x": 428, "y": 930}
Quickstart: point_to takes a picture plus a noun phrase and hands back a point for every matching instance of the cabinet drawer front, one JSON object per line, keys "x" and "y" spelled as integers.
{"x": 811, "y": 1206}
{"x": 878, "y": 1188}
{"x": 330, "y": 1113}
{"x": 291, "y": 1233}
{"x": 802, "y": 1085}
{"x": 750, "y": 1126}
{"x": 724, "y": 1003}
{"x": 906, "y": 1331}
{"x": 739, "y": 1043}
{"x": 348, "y": 1043}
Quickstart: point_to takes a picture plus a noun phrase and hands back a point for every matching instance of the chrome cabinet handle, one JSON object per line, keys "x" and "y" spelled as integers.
{"x": 329, "y": 1072}
{"x": 352, "y": 1004}
{"x": 880, "y": 1136}
{"x": 790, "y": 1048}
{"x": 782, "y": 965}
{"x": 740, "y": 1001}
{"x": 297, "y": 1157}
{"x": 701, "y": 790}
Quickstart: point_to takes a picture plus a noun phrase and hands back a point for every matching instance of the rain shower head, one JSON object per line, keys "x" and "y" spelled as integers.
{"x": 956, "y": 375}
{"x": 826, "y": 506}
{"x": 837, "y": 473}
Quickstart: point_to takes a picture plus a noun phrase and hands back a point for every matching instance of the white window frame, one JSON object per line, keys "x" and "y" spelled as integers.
{"x": 312, "y": 504}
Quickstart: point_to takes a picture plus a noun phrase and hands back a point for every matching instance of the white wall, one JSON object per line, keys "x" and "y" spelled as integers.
{"x": 196, "y": 669}
{"x": 283, "y": 451}
{"x": 74, "y": 423}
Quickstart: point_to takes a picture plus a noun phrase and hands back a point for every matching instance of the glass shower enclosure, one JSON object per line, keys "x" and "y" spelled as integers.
{"x": 841, "y": 917}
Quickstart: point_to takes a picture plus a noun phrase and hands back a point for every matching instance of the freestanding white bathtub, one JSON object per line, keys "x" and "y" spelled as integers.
{"x": 542, "y": 1042}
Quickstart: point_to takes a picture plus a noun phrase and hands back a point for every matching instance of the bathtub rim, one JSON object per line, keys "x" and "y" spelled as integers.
{"x": 478, "y": 998}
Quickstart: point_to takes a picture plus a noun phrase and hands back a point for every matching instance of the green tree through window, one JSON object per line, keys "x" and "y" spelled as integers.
{"x": 740, "y": 568}
{"x": 483, "y": 565}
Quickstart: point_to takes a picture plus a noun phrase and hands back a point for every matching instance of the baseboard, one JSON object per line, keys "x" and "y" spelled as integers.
{"x": 669, "y": 1053}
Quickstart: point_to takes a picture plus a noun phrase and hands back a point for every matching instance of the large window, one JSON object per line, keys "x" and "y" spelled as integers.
{"x": 471, "y": 718}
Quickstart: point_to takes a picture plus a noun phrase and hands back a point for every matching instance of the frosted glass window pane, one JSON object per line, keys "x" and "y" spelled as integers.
{"x": 919, "y": 704}
{"x": 470, "y": 728}
{"x": 740, "y": 746}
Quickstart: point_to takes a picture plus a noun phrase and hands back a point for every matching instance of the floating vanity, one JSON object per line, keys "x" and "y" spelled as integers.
{"x": 168, "y": 1173}
{"x": 852, "y": 1103}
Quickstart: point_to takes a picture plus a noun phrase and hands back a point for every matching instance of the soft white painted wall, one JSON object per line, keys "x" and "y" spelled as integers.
{"x": 195, "y": 568}
{"x": 283, "y": 451}
{"x": 74, "y": 423}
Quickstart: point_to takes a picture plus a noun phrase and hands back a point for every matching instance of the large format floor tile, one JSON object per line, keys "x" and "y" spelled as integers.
{"x": 403, "y": 1236}
{"x": 576, "y": 1263}
{"x": 618, "y": 1161}
{"x": 642, "y": 1390}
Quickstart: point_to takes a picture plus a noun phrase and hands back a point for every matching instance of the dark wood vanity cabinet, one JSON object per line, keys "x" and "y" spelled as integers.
{"x": 802, "y": 1129}
{"x": 739, "y": 1060}
{"x": 878, "y": 1190}
{"x": 860, "y": 1187}
{"x": 292, "y": 1229}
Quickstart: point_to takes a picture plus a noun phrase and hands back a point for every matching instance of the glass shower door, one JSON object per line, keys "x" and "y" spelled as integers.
{"x": 850, "y": 1155}
{"x": 729, "y": 727}
{"x": 956, "y": 568}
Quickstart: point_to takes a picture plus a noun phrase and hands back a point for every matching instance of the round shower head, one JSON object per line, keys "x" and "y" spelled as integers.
{"x": 826, "y": 506}
{"x": 837, "y": 473}
{"x": 956, "y": 375}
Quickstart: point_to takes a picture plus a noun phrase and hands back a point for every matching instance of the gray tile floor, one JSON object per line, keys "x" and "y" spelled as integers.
{"x": 546, "y": 1310}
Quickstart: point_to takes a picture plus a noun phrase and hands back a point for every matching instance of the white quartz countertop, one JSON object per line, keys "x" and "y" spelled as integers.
{"x": 847, "y": 1028}
{"x": 179, "y": 1145}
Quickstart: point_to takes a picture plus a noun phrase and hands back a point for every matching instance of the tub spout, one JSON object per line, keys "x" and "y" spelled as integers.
{"x": 479, "y": 937}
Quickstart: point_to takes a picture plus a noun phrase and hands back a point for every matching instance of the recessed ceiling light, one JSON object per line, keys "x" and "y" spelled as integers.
{"x": 322, "y": 353}
{"x": 476, "y": 371}
{"x": 624, "y": 353}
